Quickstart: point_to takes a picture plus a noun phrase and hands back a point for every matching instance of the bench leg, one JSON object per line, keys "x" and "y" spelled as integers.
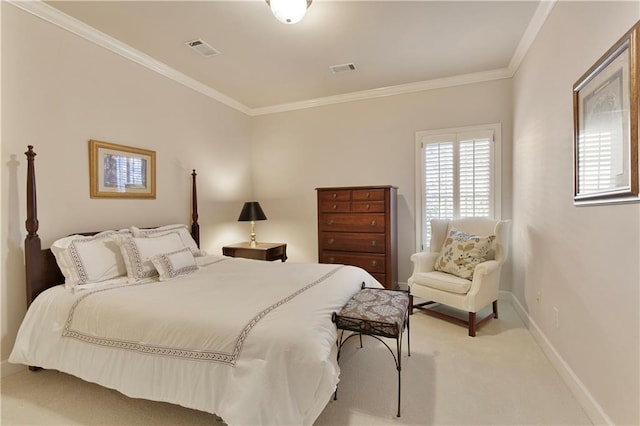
{"x": 339, "y": 344}
{"x": 408, "y": 334}
{"x": 399, "y": 368}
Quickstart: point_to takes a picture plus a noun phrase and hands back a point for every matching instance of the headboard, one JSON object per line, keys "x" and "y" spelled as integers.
{"x": 42, "y": 270}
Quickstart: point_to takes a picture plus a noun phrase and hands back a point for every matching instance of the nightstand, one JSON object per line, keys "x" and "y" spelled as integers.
{"x": 262, "y": 251}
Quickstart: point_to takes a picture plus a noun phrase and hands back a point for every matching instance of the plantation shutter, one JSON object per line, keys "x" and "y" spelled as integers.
{"x": 475, "y": 174}
{"x": 439, "y": 179}
{"x": 458, "y": 177}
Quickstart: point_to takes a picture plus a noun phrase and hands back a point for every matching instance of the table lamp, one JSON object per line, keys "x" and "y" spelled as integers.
{"x": 251, "y": 211}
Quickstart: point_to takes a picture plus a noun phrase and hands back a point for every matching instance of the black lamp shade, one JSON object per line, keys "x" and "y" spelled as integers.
{"x": 251, "y": 211}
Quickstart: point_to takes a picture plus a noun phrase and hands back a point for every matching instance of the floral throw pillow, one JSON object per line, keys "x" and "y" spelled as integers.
{"x": 461, "y": 252}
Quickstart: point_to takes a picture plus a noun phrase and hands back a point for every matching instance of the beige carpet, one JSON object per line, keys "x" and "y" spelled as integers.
{"x": 501, "y": 377}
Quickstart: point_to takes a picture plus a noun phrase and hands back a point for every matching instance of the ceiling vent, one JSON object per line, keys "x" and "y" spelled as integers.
{"x": 337, "y": 69}
{"x": 202, "y": 47}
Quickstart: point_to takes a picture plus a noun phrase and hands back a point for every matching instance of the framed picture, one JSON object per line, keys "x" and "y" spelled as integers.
{"x": 605, "y": 111}
{"x": 118, "y": 171}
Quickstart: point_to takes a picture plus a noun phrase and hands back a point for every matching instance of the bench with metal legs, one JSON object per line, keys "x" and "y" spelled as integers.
{"x": 377, "y": 313}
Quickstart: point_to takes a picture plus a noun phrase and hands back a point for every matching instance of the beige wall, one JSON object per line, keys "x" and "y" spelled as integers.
{"x": 59, "y": 91}
{"x": 368, "y": 142}
{"x": 582, "y": 260}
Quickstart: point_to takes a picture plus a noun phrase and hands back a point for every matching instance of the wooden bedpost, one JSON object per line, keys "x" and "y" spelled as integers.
{"x": 195, "y": 227}
{"x": 32, "y": 244}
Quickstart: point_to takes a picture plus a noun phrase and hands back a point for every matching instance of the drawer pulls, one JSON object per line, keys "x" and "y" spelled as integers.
{"x": 335, "y": 195}
{"x": 333, "y": 240}
{"x": 366, "y": 206}
{"x": 332, "y": 259}
{"x": 331, "y": 222}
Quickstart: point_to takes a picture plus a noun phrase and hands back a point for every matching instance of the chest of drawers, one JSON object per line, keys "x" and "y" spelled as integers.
{"x": 358, "y": 226}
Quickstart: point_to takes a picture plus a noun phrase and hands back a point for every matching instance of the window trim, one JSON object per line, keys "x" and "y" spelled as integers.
{"x": 496, "y": 128}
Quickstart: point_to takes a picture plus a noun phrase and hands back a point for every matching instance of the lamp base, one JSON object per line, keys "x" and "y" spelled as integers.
{"x": 253, "y": 234}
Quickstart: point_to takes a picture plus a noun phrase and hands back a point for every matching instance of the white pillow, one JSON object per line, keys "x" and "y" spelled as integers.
{"x": 174, "y": 264}
{"x": 181, "y": 229}
{"x": 85, "y": 260}
{"x": 137, "y": 253}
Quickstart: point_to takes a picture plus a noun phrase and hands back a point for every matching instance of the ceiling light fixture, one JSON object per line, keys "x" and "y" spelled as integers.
{"x": 289, "y": 11}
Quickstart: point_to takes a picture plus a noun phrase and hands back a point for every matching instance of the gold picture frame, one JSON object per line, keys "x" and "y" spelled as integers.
{"x": 119, "y": 171}
{"x": 605, "y": 111}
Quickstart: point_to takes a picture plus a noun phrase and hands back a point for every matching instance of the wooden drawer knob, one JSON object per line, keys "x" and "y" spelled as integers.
{"x": 373, "y": 243}
{"x": 331, "y": 241}
{"x": 374, "y": 263}
{"x": 335, "y": 206}
{"x": 330, "y": 222}
{"x": 334, "y": 195}
{"x": 368, "y": 206}
{"x": 332, "y": 259}
{"x": 373, "y": 223}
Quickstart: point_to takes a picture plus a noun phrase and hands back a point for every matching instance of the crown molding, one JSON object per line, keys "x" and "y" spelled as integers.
{"x": 50, "y": 14}
{"x": 537, "y": 21}
{"x": 440, "y": 83}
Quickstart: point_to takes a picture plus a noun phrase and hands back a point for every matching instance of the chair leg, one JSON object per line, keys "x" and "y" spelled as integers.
{"x": 472, "y": 324}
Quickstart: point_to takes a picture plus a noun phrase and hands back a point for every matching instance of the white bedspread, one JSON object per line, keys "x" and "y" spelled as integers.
{"x": 250, "y": 341}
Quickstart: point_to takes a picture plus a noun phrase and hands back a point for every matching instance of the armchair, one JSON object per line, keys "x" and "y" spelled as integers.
{"x": 468, "y": 294}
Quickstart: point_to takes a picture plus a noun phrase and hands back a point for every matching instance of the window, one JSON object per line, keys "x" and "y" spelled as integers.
{"x": 458, "y": 174}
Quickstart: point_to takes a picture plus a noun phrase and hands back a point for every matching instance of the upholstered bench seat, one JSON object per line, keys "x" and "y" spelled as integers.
{"x": 378, "y": 313}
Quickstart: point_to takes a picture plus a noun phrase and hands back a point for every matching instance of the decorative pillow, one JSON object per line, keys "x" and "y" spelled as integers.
{"x": 174, "y": 264}
{"x": 181, "y": 229}
{"x": 137, "y": 253}
{"x": 87, "y": 260}
{"x": 461, "y": 252}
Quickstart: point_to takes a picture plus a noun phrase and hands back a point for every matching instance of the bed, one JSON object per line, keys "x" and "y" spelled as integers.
{"x": 247, "y": 340}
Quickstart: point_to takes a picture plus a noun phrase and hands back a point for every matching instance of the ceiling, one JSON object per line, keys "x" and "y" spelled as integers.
{"x": 264, "y": 64}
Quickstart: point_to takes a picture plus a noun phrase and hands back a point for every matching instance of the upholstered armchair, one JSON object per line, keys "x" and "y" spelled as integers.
{"x": 461, "y": 269}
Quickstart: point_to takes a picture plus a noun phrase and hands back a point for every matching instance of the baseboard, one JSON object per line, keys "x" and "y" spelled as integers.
{"x": 580, "y": 392}
{"x": 7, "y": 369}
{"x": 505, "y": 295}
